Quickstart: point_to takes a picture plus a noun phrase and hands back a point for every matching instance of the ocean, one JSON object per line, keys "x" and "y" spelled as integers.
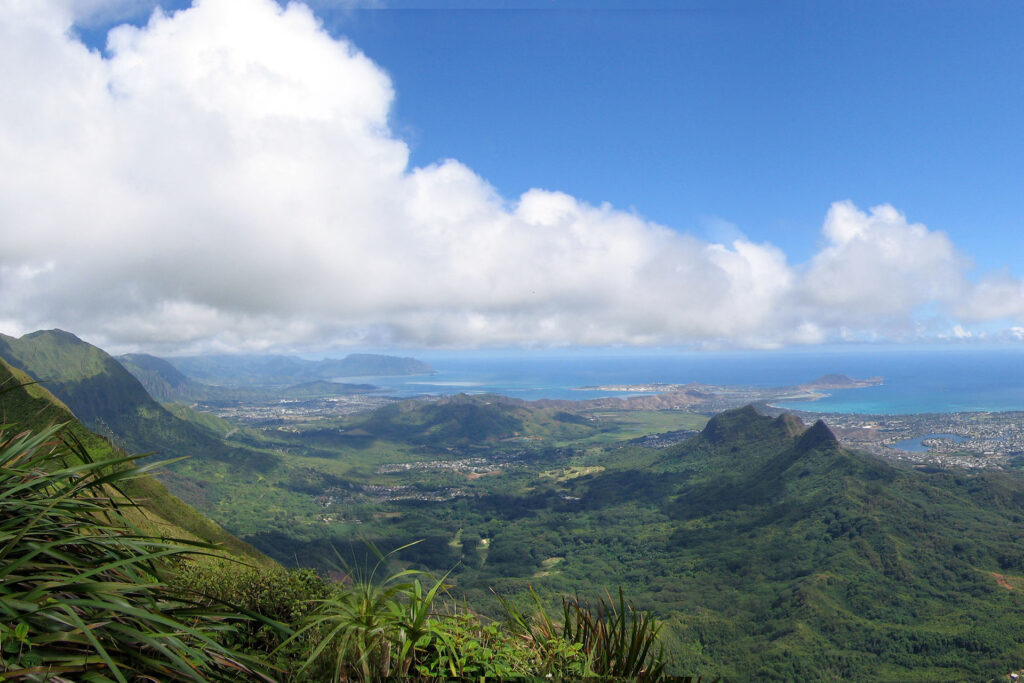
{"x": 916, "y": 380}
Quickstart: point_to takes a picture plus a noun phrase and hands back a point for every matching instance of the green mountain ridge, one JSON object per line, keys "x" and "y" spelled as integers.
{"x": 773, "y": 553}
{"x": 110, "y": 401}
{"x": 27, "y": 405}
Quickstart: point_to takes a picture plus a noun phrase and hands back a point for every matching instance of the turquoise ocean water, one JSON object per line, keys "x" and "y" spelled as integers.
{"x": 922, "y": 380}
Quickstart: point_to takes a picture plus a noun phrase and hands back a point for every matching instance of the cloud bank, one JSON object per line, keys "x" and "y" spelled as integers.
{"x": 226, "y": 178}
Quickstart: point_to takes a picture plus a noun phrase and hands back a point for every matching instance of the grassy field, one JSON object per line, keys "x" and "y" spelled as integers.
{"x": 625, "y": 425}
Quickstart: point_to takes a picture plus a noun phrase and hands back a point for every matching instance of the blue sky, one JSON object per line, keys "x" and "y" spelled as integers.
{"x": 696, "y": 113}
{"x": 741, "y": 127}
{"x": 759, "y": 114}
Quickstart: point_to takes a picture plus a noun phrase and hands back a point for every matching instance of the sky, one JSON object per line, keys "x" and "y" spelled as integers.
{"x": 244, "y": 175}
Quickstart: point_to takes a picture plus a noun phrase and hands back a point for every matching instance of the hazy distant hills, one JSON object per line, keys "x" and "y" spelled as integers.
{"x": 258, "y": 378}
{"x": 248, "y": 370}
{"x": 164, "y": 382}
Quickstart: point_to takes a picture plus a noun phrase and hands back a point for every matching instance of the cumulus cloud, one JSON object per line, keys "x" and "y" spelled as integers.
{"x": 225, "y": 177}
{"x": 995, "y": 296}
{"x": 877, "y": 265}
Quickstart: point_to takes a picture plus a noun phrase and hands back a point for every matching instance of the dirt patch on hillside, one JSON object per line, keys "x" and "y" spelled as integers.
{"x": 1010, "y": 583}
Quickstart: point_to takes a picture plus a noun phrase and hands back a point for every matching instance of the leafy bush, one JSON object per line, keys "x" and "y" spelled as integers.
{"x": 276, "y": 598}
{"x": 400, "y": 625}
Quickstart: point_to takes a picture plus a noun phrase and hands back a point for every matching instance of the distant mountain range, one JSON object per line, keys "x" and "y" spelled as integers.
{"x": 167, "y": 384}
{"x": 248, "y": 370}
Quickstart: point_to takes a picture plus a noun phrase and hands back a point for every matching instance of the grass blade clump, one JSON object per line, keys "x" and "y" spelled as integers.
{"x": 616, "y": 637}
{"x": 609, "y": 639}
{"x": 81, "y": 590}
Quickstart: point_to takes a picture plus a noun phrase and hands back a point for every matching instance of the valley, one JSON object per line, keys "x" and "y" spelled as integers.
{"x": 765, "y": 544}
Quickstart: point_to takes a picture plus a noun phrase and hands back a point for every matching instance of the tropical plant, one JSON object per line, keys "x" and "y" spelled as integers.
{"x": 612, "y": 640}
{"x": 374, "y": 627}
{"x": 82, "y": 594}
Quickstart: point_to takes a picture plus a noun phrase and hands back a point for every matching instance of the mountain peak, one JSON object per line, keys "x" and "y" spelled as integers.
{"x": 738, "y": 423}
{"x": 55, "y": 333}
{"x": 818, "y": 437}
{"x": 790, "y": 424}
{"x": 746, "y": 424}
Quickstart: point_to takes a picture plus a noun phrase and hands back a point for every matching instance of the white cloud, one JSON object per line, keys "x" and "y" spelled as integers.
{"x": 995, "y": 296}
{"x": 876, "y": 264}
{"x": 226, "y": 178}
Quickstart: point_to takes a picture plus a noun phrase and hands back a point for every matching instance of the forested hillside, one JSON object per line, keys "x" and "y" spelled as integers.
{"x": 774, "y": 553}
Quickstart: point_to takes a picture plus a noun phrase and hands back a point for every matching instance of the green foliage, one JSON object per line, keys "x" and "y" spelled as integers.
{"x": 379, "y": 627}
{"x": 278, "y": 599}
{"x": 81, "y": 591}
{"x": 373, "y": 628}
{"x": 607, "y": 640}
{"x": 465, "y": 646}
{"x": 616, "y": 640}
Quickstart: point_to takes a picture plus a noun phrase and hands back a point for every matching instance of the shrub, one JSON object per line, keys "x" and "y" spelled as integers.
{"x": 82, "y": 592}
{"x": 276, "y": 598}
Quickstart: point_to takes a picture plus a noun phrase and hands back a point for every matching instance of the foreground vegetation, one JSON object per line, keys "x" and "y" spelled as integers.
{"x": 85, "y": 594}
{"x": 81, "y": 589}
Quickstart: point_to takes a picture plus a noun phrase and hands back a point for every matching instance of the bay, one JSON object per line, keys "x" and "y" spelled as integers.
{"x": 916, "y": 380}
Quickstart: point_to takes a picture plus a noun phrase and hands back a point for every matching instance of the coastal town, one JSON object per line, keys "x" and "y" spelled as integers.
{"x": 968, "y": 440}
{"x": 965, "y": 440}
